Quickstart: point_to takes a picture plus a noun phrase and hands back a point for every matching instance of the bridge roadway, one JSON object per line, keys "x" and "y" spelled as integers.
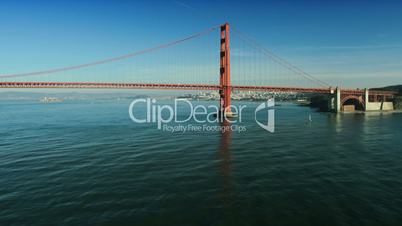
{"x": 99, "y": 85}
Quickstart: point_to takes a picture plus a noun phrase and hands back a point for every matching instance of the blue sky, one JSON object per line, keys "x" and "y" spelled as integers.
{"x": 346, "y": 43}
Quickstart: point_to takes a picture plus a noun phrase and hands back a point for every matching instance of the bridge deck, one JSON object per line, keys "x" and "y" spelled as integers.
{"x": 97, "y": 85}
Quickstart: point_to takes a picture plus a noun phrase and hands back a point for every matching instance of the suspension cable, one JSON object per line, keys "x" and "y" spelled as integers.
{"x": 278, "y": 59}
{"x": 118, "y": 58}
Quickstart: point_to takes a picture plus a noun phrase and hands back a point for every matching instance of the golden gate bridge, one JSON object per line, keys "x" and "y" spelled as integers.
{"x": 246, "y": 67}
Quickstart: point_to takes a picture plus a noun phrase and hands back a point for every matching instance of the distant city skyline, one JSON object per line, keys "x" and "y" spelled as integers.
{"x": 345, "y": 43}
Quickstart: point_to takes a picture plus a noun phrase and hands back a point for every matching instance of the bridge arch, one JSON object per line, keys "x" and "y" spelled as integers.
{"x": 357, "y": 101}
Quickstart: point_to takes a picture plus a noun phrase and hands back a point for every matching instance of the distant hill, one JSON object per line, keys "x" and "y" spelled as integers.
{"x": 396, "y": 88}
{"x": 14, "y": 95}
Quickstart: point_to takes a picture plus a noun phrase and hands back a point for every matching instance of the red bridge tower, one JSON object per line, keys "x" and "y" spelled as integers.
{"x": 225, "y": 86}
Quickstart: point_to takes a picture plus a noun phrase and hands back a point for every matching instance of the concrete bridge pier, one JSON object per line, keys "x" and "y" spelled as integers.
{"x": 338, "y": 99}
{"x": 331, "y": 100}
{"x": 377, "y": 104}
{"x": 366, "y": 99}
{"x": 334, "y": 101}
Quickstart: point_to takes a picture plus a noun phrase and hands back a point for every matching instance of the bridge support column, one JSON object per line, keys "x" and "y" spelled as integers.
{"x": 331, "y": 100}
{"x": 366, "y": 99}
{"x": 338, "y": 99}
{"x": 225, "y": 90}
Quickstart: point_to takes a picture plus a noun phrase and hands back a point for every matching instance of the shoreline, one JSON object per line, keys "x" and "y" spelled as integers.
{"x": 397, "y": 111}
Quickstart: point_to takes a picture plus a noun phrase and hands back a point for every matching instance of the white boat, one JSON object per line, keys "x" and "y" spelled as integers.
{"x": 51, "y": 100}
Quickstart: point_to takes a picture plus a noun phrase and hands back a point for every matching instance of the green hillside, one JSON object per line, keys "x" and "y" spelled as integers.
{"x": 396, "y": 88}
